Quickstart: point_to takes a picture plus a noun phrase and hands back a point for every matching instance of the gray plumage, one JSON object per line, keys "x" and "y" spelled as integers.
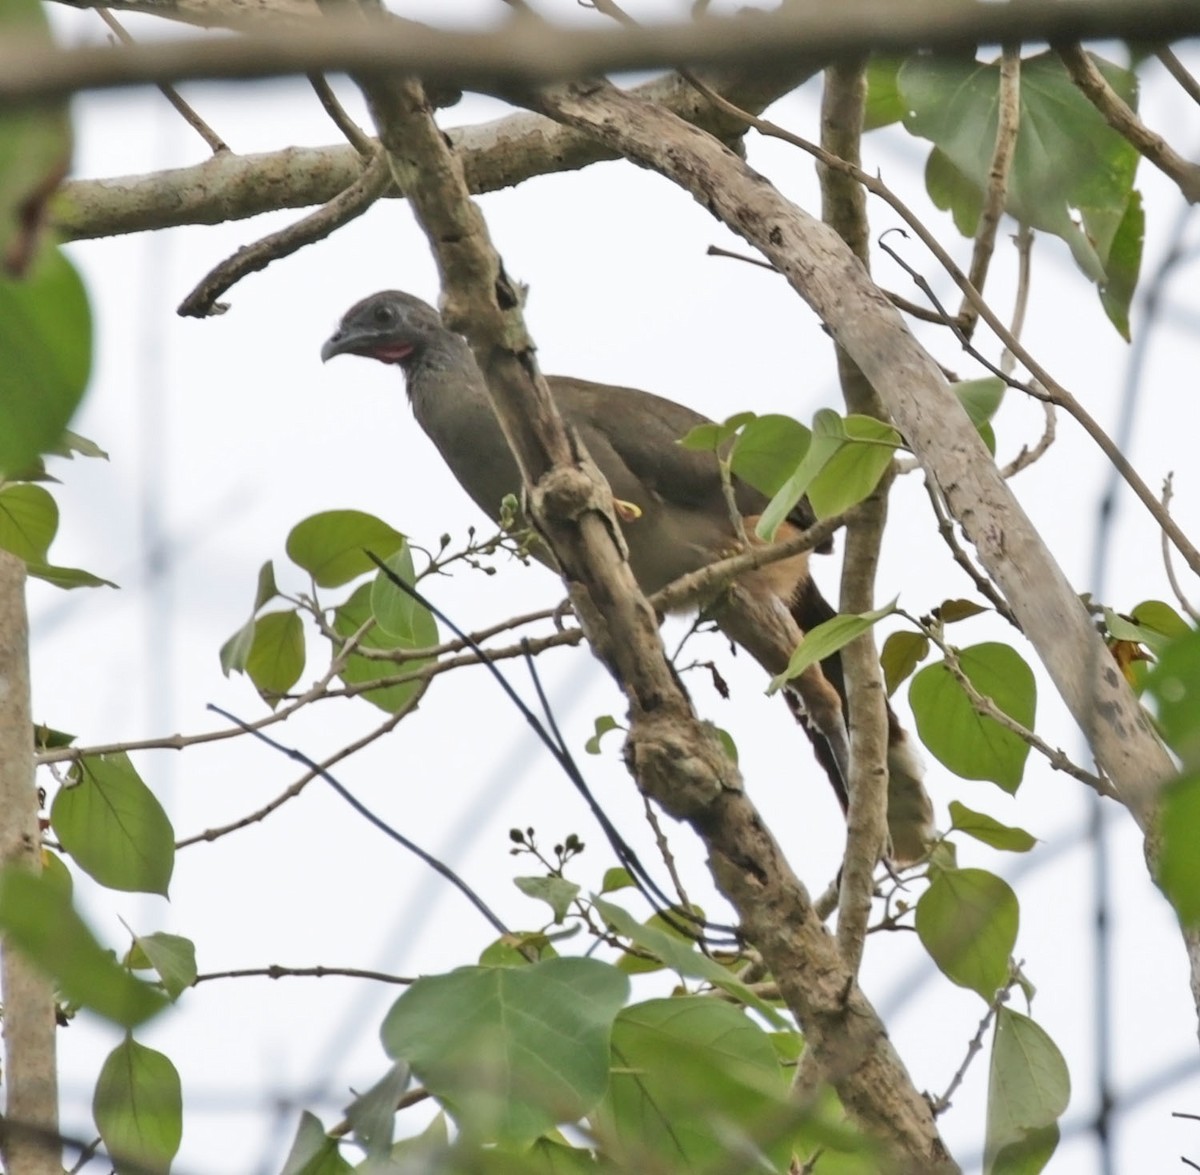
{"x": 684, "y": 522}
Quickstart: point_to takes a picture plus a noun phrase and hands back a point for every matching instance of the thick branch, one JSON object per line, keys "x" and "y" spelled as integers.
{"x": 530, "y": 53}
{"x": 825, "y": 273}
{"x": 844, "y": 209}
{"x": 495, "y": 155}
{"x": 29, "y": 1132}
{"x": 676, "y": 758}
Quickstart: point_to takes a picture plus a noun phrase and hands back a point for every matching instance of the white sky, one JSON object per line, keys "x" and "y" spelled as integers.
{"x": 224, "y": 433}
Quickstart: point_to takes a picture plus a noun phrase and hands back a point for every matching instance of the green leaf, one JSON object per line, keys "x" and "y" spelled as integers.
{"x": 884, "y": 104}
{"x": 828, "y": 436}
{"x": 66, "y": 577}
{"x": 423, "y": 1151}
{"x": 110, "y": 823}
{"x": 518, "y": 950}
{"x": 902, "y": 652}
{"x": 1028, "y": 1090}
{"x": 28, "y": 521}
{"x": 172, "y": 956}
{"x": 332, "y": 547}
{"x": 1152, "y": 623}
{"x": 967, "y": 921}
{"x": 854, "y": 470}
{"x": 46, "y": 341}
{"x": 695, "y": 1082}
{"x": 953, "y": 192}
{"x": 46, "y": 737}
{"x": 1071, "y": 174}
{"x": 709, "y": 437}
{"x": 265, "y": 590}
{"x": 37, "y": 916}
{"x": 372, "y": 1115}
{"x": 557, "y": 892}
{"x": 990, "y": 831}
{"x": 980, "y": 397}
{"x": 236, "y": 650}
{"x": 680, "y": 955}
{"x": 1124, "y": 265}
{"x": 71, "y": 443}
{"x": 616, "y": 878}
{"x": 1160, "y": 618}
{"x": 826, "y": 638}
{"x": 969, "y": 744}
{"x": 952, "y": 611}
{"x": 604, "y": 723}
{"x": 138, "y": 1107}
{"x": 276, "y": 657}
{"x": 1178, "y": 862}
{"x": 349, "y": 618}
{"x": 1174, "y": 683}
{"x": 35, "y": 151}
{"x": 510, "y": 1051}
{"x": 768, "y": 451}
{"x": 395, "y": 611}
{"x": 313, "y": 1151}
{"x": 56, "y": 874}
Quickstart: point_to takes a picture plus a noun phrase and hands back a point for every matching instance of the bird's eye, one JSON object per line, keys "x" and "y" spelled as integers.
{"x": 384, "y": 315}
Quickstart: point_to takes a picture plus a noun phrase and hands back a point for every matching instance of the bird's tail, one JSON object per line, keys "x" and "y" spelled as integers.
{"x": 910, "y": 813}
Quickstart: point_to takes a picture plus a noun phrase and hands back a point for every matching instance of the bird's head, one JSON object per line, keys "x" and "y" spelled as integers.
{"x": 390, "y": 326}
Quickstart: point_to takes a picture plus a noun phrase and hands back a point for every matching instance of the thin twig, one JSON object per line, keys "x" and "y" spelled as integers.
{"x": 898, "y": 300}
{"x": 664, "y": 851}
{"x": 982, "y": 583}
{"x": 177, "y": 742}
{"x": 296, "y": 788}
{"x": 941, "y": 1104}
{"x": 1008, "y": 122}
{"x": 374, "y": 180}
{"x": 355, "y": 135}
{"x": 215, "y": 143}
{"x": 1172, "y": 579}
{"x": 277, "y": 972}
{"x": 1176, "y": 69}
{"x": 1150, "y": 145}
{"x": 1027, "y": 456}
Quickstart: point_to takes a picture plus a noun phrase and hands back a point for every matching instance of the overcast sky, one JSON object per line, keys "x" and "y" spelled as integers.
{"x": 225, "y": 433}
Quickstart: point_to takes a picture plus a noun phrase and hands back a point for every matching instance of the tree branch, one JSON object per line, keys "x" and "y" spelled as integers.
{"x": 29, "y": 1143}
{"x": 844, "y": 208}
{"x": 1008, "y": 122}
{"x": 827, "y": 275}
{"x": 531, "y": 53}
{"x": 496, "y": 155}
{"x": 676, "y": 759}
{"x": 1126, "y": 123}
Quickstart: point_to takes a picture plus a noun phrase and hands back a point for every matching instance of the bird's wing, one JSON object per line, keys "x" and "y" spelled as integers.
{"x": 642, "y": 431}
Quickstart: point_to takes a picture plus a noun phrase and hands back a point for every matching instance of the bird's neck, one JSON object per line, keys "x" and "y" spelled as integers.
{"x": 444, "y": 379}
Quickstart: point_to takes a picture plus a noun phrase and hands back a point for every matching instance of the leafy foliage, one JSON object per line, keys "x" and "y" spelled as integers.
{"x": 138, "y": 1107}
{"x": 37, "y": 917}
{"x": 510, "y": 1052}
{"x": 971, "y": 744}
{"x": 113, "y": 826}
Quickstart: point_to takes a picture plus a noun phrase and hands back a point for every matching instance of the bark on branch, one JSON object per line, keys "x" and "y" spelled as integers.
{"x": 532, "y": 52}
{"x": 29, "y": 1129}
{"x": 675, "y": 757}
{"x": 826, "y": 274}
{"x": 495, "y": 155}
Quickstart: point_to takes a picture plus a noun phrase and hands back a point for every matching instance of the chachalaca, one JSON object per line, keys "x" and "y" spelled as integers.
{"x": 676, "y": 517}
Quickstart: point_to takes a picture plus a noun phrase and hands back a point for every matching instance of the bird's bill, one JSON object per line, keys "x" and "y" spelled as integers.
{"x": 350, "y": 341}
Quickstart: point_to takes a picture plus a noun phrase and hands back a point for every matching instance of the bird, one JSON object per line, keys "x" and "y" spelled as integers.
{"x": 674, "y": 511}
